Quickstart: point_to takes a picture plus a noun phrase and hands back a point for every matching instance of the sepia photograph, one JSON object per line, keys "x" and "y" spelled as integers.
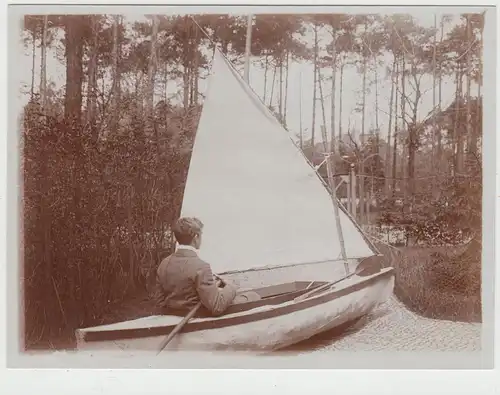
{"x": 275, "y": 186}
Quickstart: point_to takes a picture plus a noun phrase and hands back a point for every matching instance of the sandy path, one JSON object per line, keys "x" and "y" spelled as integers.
{"x": 391, "y": 327}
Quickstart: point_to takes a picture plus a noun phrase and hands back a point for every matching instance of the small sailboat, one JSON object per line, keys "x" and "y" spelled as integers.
{"x": 264, "y": 207}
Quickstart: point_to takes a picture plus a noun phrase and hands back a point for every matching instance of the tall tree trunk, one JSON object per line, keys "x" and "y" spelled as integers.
{"x": 468, "y": 121}
{"x": 333, "y": 96}
{"x": 413, "y": 135}
{"x": 395, "y": 137}
{"x": 43, "y": 63}
{"x": 389, "y": 131}
{"x": 361, "y": 169}
{"x": 186, "y": 61}
{"x": 455, "y": 124}
{"x": 115, "y": 94}
{"x": 196, "y": 68}
{"x": 377, "y": 125}
{"x": 332, "y": 120}
{"x": 434, "y": 116}
{"x": 130, "y": 231}
{"x": 273, "y": 85}
{"x": 411, "y": 157}
{"x": 440, "y": 99}
{"x": 323, "y": 112}
{"x": 191, "y": 86}
{"x": 459, "y": 141}
{"x": 165, "y": 91}
{"x": 266, "y": 66}
{"x": 300, "y": 113}
{"x": 341, "y": 88}
{"x": 404, "y": 124}
{"x": 363, "y": 104}
{"x": 92, "y": 79}
{"x": 192, "y": 70}
{"x": 138, "y": 92}
{"x": 186, "y": 79}
{"x": 248, "y": 49}
{"x": 33, "y": 58}
{"x": 477, "y": 132}
{"x": 286, "y": 89}
{"x": 280, "y": 95}
{"x": 74, "y": 68}
{"x": 314, "y": 84}
{"x": 152, "y": 70}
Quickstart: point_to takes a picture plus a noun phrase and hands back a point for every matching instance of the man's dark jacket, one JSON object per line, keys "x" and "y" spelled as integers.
{"x": 183, "y": 280}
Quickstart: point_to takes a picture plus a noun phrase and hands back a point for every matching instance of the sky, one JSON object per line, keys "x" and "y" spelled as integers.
{"x": 300, "y": 85}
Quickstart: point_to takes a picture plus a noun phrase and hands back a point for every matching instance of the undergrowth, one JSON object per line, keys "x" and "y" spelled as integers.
{"x": 439, "y": 282}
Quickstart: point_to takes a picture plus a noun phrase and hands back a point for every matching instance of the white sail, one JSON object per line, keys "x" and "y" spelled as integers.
{"x": 261, "y": 202}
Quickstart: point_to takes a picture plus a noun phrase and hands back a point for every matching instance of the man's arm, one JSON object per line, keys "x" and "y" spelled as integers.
{"x": 215, "y": 299}
{"x": 159, "y": 292}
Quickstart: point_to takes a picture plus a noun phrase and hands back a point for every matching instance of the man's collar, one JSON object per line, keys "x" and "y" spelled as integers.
{"x": 186, "y": 247}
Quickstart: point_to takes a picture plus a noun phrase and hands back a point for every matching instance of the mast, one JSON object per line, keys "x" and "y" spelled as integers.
{"x": 330, "y": 168}
{"x": 248, "y": 46}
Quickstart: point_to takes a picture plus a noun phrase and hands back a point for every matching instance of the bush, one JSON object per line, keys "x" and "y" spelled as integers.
{"x": 459, "y": 274}
{"x": 95, "y": 216}
{"x": 441, "y": 283}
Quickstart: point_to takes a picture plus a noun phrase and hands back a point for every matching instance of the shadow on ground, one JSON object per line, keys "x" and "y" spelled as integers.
{"x": 327, "y": 338}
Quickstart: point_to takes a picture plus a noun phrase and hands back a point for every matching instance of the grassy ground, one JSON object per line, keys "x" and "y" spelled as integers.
{"x": 441, "y": 283}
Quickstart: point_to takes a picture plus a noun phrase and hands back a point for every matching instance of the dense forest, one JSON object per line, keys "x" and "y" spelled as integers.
{"x": 105, "y": 157}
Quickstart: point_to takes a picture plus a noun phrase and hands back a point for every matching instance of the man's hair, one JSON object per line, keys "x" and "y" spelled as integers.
{"x": 186, "y": 228}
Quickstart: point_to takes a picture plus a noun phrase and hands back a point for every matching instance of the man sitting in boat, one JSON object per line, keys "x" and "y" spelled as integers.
{"x": 183, "y": 279}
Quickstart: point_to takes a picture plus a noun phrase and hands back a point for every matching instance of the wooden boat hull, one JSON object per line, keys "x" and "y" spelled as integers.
{"x": 264, "y": 328}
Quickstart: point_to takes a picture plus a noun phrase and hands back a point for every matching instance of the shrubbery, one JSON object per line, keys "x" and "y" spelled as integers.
{"x": 95, "y": 215}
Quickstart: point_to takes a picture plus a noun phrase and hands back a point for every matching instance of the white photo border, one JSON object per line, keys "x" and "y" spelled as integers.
{"x": 99, "y": 378}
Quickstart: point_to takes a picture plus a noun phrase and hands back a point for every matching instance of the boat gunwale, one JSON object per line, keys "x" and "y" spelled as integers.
{"x": 164, "y": 330}
{"x": 287, "y": 265}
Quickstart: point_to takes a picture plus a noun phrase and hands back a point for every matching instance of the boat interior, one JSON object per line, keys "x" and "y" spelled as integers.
{"x": 276, "y": 294}
{"x": 282, "y": 293}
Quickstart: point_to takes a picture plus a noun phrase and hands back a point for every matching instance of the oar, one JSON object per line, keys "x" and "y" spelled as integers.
{"x": 181, "y": 324}
{"x": 323, "y": 287}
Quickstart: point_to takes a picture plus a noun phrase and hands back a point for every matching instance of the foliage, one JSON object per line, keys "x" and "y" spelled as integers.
{"x": 450, "y": 212}
{"x": 95, "y": 217}
{"x": 439, "y": 283}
